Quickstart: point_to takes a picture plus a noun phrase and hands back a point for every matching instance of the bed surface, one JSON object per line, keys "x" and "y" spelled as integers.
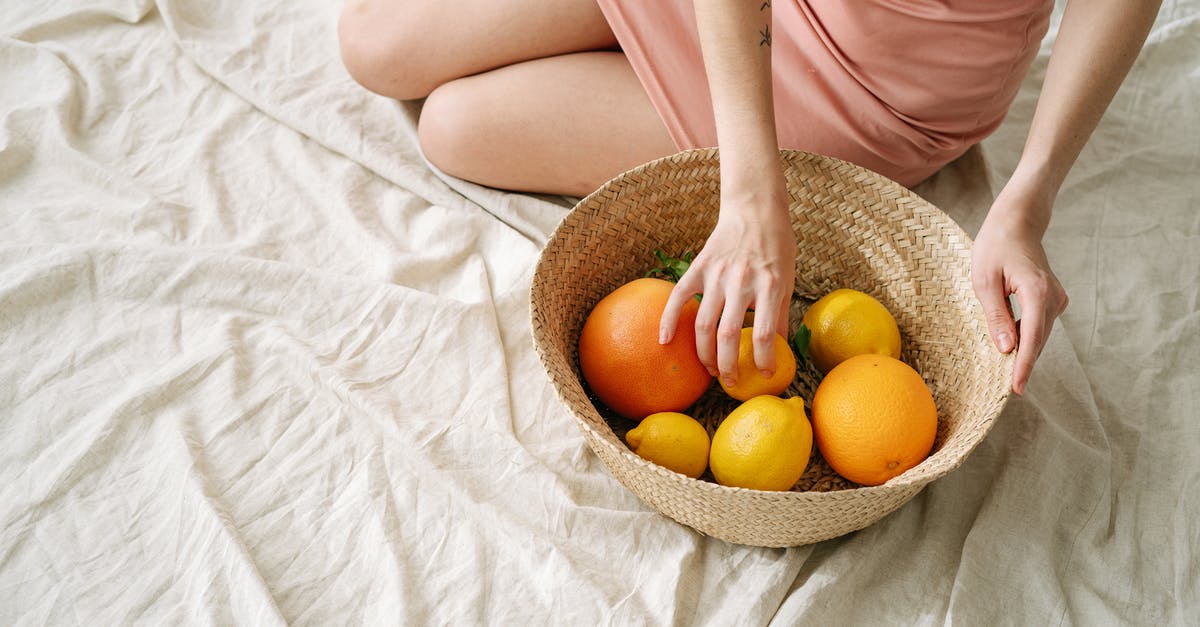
{"x": 260, "y": 364}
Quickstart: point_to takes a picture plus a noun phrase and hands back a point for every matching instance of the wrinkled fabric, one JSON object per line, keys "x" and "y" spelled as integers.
{"x": 260, "y": 364}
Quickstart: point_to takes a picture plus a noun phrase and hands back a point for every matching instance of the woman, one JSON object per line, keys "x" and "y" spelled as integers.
{"x": 558, "y": 97}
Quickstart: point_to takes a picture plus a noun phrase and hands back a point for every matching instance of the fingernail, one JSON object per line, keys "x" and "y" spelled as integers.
{"x": 767, "y": 373}
{"x": 712, "y": 372}
{"x": 729, "y": 381}
{"x": 1004, "y": 342}
{"x": 662, "y": 336}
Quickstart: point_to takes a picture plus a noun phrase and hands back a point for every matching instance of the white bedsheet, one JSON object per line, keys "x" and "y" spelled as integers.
{"x": 260, "y": 364}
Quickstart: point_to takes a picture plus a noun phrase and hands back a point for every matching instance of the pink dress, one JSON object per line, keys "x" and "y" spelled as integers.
{"x": 900, "y": 87}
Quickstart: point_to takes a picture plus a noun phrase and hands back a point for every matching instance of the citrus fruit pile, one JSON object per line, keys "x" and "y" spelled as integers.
{"x": 873, "y": 417}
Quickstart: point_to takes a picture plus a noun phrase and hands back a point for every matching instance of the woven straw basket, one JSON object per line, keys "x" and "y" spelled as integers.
{"x": 855, "y": 229}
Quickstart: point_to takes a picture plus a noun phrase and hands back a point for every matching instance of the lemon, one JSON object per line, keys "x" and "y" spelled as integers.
{"x": 671, "y": 440}
{"x": 845, "y": 323}
{"x": 750, "y": 381}
{"x": 763, "y": 444}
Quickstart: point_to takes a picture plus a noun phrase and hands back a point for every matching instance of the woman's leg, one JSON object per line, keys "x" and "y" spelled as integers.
{"x": 405, "y": 49}
{"x": 525, "y": 95}
{"x": 560, "y": 125}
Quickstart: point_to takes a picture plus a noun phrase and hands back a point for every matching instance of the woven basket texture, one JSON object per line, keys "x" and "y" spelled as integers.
{"x": 855, "y": 229}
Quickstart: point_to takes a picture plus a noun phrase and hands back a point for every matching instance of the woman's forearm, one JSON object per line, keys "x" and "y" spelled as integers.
{"x": 1096, "y": 45}
{"x": 735, "y": 39}
{"x": 748, "y": 261}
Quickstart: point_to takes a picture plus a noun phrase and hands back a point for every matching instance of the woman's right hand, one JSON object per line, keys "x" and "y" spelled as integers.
{"x": 748, "y": 262}
{"x": 750, "y": 256}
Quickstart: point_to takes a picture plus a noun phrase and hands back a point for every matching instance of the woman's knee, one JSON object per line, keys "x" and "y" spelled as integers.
{"x": 383, "y": 52}
{"x": 449, "y": 129}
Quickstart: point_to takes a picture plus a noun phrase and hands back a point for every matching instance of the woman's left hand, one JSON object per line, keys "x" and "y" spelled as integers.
{"x": 1008, "y": 259}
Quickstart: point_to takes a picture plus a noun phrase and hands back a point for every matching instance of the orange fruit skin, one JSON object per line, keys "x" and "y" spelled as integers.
{"x": 873, "y": 418}
{"x": 622, "y": 361}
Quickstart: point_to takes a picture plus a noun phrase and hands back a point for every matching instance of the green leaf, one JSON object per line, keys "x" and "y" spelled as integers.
{"x": 670, "y": 268}
{"x": 800, "y": 343}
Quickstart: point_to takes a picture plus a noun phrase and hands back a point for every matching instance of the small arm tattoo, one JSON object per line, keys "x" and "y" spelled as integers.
{"x": 766, "y": 31}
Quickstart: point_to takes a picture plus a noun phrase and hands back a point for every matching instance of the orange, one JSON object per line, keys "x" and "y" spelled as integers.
{"x": 873, "y": 418}
{"x": 622, "y": 361}
{"x": 750, "y": 380}
{"x": 845, "y": 323}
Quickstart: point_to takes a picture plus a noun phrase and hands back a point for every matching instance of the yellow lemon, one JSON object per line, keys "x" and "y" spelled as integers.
{"x": 750, "y": 381}
{"x": 845, "y": 323}
{"x": 763, "y": 444}
{"x": 671, "y": 440}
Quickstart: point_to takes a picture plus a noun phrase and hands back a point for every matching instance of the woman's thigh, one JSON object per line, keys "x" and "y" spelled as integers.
{"x": 406, "y": 48}
{"x": 561, "y": 125}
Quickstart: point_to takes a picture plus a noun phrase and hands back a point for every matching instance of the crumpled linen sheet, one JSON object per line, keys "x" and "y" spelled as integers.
{"x": 260, "y": 364}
